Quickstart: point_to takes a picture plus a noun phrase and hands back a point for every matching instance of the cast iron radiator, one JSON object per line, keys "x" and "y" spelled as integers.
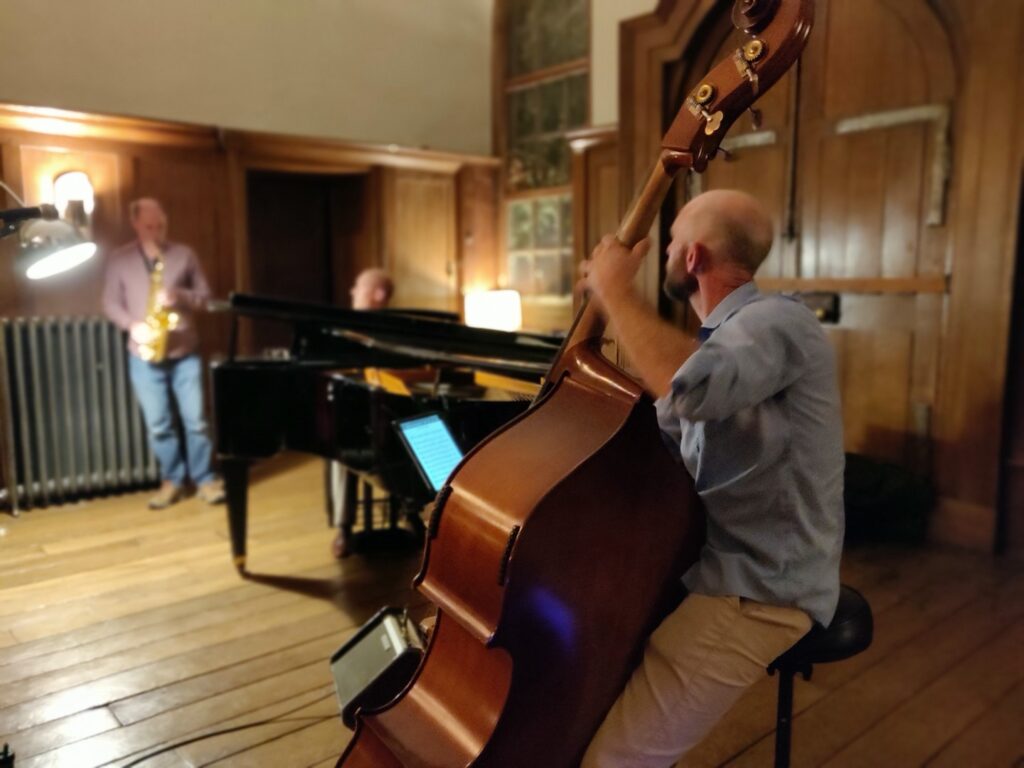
{"x": 69, "y": 424}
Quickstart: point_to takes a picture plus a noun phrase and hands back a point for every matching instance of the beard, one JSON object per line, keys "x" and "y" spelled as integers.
{"x": 680, "y": 287}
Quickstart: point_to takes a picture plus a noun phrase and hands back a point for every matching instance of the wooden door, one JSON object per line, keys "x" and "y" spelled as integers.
{"x": 851, "y": 158}
{"x": 419, "y": 221}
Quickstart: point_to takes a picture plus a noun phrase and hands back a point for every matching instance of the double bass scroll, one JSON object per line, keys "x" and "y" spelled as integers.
{"x": 559, "y": 541}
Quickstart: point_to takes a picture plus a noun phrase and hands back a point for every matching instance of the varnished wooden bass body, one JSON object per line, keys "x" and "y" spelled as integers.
{"x": 542, "y": 600}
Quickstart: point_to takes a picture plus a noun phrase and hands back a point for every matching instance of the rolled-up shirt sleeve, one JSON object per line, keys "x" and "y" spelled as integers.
{"x": 744, "y": 363}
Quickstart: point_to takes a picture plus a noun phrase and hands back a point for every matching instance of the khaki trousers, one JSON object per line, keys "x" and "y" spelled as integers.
{"x": 696, "y": 665}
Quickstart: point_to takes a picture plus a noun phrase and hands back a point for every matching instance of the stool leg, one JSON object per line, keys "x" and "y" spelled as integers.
{"x": 783, "y": 719}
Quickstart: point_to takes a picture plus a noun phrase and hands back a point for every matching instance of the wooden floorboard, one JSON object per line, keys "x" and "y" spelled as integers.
{"x": 128, "y": 638}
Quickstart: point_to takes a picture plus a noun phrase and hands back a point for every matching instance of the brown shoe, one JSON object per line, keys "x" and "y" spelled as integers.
{"x": 168, "y": 494}
{"x": 212, "y": 492}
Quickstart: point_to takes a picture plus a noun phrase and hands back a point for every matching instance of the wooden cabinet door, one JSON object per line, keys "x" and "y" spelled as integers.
{"x": 420, "y": 238}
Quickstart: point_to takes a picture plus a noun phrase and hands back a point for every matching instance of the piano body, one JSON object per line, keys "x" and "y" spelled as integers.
{"x": 347, "y": 377}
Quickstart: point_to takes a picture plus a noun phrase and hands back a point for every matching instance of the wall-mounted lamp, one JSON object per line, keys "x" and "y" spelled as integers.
{"x": 70, "y": 187}
{"x": 501, "y": 310}
{"x": 49, "y": 245}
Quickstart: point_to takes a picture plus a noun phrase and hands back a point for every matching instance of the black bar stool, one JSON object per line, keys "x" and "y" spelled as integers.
{"x": 849, "y": 633}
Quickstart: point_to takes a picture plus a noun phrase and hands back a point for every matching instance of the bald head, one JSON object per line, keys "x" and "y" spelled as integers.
{"x": 372, "y": 289}
{"x": 732, "y": 225}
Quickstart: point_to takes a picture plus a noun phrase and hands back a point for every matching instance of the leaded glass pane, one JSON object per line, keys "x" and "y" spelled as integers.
{"x": 538, "y": 163}
{"x": 547, "y": 274}
{"x": 520, "y": 225}
{"x": 523, "y": 117}
{"x": 548, "y": 215}
{"x": 576, "y": 100}
{"x": 520, "y": 273}
{"x": 552, "y": 106}
{"x": 568, "y": 276}
{"x": 545, "y": 267}
{"x": 566, "y": 217}
{"x": 543, "y": 33}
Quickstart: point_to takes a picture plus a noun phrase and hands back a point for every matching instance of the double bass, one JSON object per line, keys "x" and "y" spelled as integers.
{"x": 556, "y": 545}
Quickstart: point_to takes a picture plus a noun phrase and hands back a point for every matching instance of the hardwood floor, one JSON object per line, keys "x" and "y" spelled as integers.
{"x": 125, "y": 631}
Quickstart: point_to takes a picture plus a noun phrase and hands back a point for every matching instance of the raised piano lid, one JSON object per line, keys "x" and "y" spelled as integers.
{"x": 415, "y": 335}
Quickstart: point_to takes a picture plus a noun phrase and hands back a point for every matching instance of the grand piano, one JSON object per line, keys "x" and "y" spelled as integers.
{"x": 347, "y": 376}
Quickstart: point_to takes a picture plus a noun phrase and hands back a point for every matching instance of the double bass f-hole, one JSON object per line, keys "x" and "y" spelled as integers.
{"x": 507, "y": 556}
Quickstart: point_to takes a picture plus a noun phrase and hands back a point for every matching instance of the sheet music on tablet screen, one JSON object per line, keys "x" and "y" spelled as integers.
{"x": 432, "y": 446}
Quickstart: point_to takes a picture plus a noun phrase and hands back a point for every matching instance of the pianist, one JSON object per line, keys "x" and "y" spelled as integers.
{"x": 372, "y": 289}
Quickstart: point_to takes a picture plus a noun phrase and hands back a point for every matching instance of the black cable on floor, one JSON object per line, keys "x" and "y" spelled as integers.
{"x": 279, "y": 719}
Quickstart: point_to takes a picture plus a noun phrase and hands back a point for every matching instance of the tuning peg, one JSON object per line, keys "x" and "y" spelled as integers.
{"x": 714, "y": 122}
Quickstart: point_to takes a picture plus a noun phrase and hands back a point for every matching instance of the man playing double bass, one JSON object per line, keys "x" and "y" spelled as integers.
{"x": 751, "y": 408}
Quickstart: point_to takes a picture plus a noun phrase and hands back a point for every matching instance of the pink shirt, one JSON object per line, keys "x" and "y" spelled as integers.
{"x": 126, "y": 292}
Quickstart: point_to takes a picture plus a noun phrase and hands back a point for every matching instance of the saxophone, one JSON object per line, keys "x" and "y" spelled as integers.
{"x": 159, "y": 318}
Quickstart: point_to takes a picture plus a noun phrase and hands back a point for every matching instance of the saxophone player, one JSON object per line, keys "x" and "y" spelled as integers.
{"x": 152, "y": 288}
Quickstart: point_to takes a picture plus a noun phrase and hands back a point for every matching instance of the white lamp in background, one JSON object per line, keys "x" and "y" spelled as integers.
{"x": 73, "y": 185}
{"x": 49, "y": 246}
{"x": 75, "y": 200}
{"x": 500, "y": 310}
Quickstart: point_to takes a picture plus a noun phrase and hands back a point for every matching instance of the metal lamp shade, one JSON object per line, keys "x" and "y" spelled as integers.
{"x": 51, "y": 247}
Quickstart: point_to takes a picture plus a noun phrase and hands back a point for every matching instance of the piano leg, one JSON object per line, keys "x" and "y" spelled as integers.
{"x": 236, "y": 486}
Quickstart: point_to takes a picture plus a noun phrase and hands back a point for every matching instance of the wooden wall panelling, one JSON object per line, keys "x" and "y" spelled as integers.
{"x": 188, "y": 183}
{"x": 1010, "y": 535}
{"x": 78, "y": 291}
{"x": 647, "y": 45}
{"x": 876, "y": 374}
{"x": 425, "y": 185}
{"x": 419, "y": 238}
{"x": 985, "y": 186}
{"x": 10, "y": 172}
{"x": 112, "y": 151}
{"x": 861, "y": 186}
{"x": 596, "y": 199}
{"x": 595, "y": 187}
{"x": 478, "y": 238}
{"x": 355, "y": 221}
{"x": 866, "y": 207}
{"x": 891, "y": 56}
{"x": 301, "y": 154}
{"x": 757, "y": 159}
{"x": 870, "y": 189}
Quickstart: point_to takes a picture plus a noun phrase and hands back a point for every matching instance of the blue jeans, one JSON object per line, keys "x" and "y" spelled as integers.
{"x": 155, "y": 384}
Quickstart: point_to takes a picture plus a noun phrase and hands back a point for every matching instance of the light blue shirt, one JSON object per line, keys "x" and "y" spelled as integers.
{"x": 756, "y": 419}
